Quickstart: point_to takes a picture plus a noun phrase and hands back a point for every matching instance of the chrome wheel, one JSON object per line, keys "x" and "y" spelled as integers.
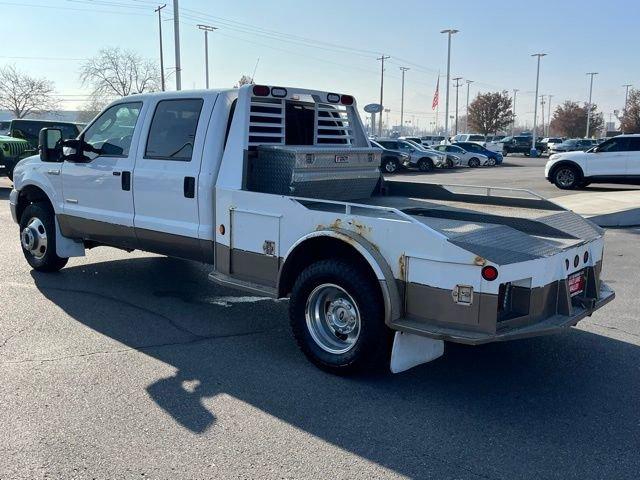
{"x": 566, "y": 177}
{"x": 333, "y": 318}
{"x": 491, "y": 162}
{"x": 34, "y": 238}
{"x": 390, "y": 166}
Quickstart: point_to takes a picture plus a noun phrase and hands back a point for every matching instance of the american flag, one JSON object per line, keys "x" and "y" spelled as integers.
{"x": 436, "y": 95}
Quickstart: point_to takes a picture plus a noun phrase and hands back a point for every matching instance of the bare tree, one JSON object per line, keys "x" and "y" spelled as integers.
{"x": 117, "y": 73}
{"x": 490, "y": 112}
{"x": 92, "y": 108}
{"x": 23, "y": 95}
{"x": 630, "y": 120}
{"x": 570, "y": 119}
{"x": 244, "y": 80}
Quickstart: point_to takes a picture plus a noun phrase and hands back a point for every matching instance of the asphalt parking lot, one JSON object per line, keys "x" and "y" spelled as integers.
{"x": 517, "y": 171}
{"x": 136, "y": 366}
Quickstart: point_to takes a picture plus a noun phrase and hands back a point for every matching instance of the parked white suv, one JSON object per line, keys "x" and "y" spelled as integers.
{"x": 615, "y": 161}
{"x": 478, "y": 138}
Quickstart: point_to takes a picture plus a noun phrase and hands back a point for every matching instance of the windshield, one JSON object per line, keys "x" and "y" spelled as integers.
{"x": 415, "y": 145}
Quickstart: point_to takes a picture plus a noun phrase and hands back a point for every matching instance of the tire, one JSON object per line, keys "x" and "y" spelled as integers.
{"x": 474, "y": 162}
{"x": 364, "y": 342}
{"x": 491, "y": 162}
{"x": 38, "y": 238}
{"x": 566, "y": 177}
{"x": 389, "y": 165}
{"x": 425, "y": 165}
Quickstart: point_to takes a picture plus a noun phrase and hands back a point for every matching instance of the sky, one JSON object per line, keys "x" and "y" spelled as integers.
{"x": 333, "y": 45}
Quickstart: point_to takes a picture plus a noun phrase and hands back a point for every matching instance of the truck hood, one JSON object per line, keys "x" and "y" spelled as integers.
{"x": 6, "y": 138}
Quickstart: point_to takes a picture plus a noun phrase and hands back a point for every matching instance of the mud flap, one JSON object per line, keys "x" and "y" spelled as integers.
{"x": 67, "y": 247}
{"x": 411, "y": 350}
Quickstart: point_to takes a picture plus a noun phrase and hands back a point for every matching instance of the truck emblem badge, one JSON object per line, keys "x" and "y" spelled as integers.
{"x": 342, "y": 158}
{"x": 269, "y": 247}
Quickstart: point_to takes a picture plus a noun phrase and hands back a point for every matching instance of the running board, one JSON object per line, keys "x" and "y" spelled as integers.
{"x": 255, "y": 288}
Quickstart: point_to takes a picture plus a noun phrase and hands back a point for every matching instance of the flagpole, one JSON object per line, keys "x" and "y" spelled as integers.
{"x": 438, "y": 105}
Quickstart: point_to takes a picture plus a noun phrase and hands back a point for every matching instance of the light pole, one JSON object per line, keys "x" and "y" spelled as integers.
{"x": 207, "y": 29}
{"x": 449, "y": 32}
{"x": 403, "y": 69}
{"x": 387, "y": 110}
{"x": 591, "y": 74}
{"x": 549, "y": 116}
{"x": 382, "y": 58}
{"x": 513, "y": 123}
{"x": 534, "y": 152}
{"x": 160, "y": 7}
{"x": 457, "y": 85}
{"x": 542, "y": 102}
{"x": 466, "y": 120}
{"x": 626, "y": 94}
{"x": 176, "y": 37}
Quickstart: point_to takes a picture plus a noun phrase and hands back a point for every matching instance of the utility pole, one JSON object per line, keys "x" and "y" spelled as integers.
{"x": 513, "y": 123}
{"x": 591, "y": 74}
{"x": 626, "y": 95}
{"x": 403, "y": 69}
{"x": 466, "y": 120}
{"x": 542, "y": 103}
{"x": 207, "y": 29}
{"x": 159, "y": 9}
{"x": 457, "y": 85}
{"x": 549, "y": 116}
{"x": 387, "y": 110}
{"x": 176, "y": 36}
{"x": 449, "y": 32}
{"x": 382, "y": 58}
{"x": 534, "y": 152}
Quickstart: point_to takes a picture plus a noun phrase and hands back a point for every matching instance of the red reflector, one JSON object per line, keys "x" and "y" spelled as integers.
{"x": 489, "y": 273}
{"x": 346, "y": 100}
{"x": 261, "y": 90}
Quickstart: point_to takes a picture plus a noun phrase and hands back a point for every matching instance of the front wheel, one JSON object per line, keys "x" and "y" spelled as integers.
{"x": 425, "y": 165}
{"x": 336, "y": 315}
{"x": 474, "y": 162}
{"x": 566, "y": 177}
{"x": 491, "y": 162}
{"x": 38, "y": 238}
{"x": 389, "y": 165}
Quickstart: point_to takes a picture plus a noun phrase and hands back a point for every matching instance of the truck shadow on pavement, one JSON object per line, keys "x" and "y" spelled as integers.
{"x": 565, "y": 405}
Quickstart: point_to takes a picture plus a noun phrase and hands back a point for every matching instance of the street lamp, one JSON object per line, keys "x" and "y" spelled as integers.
{"x": 534, "y": 152}
{"x": 457, "y": 85}
{"x": 449, "y": 32}
{"x": 466, "y": 120}
{"x": 403, "y": 69}
{"x": 513, "y": 123}
{"x": 591, "y": 74}
{"x": 207, "y": 29}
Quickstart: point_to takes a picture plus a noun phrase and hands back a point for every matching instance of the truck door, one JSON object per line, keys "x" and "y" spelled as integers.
{"x": 165, "y": 178}
{"x": 98, "y": 201}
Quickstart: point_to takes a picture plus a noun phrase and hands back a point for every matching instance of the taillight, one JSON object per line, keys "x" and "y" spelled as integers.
{"x": 489, "y": 273}
{"x": 333, "y": 97}
{"x": 261, "y": 90}
{"x": 346, "y": 100}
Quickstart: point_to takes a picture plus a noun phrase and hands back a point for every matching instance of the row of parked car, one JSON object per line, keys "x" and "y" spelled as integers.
{"x": 19, "y": 139}
{"x": 413, "y": 153}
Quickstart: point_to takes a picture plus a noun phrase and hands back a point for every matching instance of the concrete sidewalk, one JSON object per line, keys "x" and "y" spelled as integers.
{"x": 607, "y": 209}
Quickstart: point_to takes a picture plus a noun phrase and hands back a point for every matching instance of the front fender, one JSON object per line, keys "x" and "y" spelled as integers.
{"x": 47, "y": 177}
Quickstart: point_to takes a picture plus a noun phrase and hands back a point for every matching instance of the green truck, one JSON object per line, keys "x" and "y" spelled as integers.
{"x": 12, "y": 150}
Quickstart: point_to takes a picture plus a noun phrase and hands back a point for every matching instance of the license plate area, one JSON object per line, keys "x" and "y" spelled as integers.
{"x": 576, "y": 282}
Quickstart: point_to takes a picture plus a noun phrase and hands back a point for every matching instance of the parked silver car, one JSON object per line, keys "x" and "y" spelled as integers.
{"x": 469, "y": 159}
{"x": 420, "y": 157}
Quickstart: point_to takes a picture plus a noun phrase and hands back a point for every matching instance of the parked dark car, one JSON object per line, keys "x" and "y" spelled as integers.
{"x": 477, "y": 148}
{"x": 520, "y": 144}
{"x": 573, "y": 145}
{"x": 392, "y": 160}
{"x": 30, "y": 129}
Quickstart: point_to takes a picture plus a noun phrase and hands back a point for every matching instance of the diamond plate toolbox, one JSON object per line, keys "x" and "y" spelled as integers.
{"x": 315, "y": 172}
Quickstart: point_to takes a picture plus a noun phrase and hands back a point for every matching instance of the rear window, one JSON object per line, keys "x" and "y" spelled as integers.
{"x": 173, "y": 129}
{"x": 476, "y": 138}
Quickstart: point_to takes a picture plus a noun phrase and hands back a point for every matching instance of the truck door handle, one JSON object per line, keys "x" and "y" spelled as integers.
{"x": 189, "y": 187}
{"x": 126, "y": 181}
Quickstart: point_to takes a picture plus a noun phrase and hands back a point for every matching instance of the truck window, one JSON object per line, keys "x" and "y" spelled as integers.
{"x": 113, "y": 130}
{"x": 173, "y": 130}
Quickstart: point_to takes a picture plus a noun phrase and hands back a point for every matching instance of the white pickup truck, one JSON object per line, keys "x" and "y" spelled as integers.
{"x": 279, "y": 190}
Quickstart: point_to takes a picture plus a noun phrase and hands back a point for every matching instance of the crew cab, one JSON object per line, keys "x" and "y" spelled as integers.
{"x": 280, "y": 191}
{"x": 616, "y": 160}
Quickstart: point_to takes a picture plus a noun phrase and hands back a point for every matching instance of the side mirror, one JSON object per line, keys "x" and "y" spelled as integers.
{"x": 50, "y": 144}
